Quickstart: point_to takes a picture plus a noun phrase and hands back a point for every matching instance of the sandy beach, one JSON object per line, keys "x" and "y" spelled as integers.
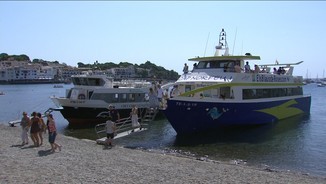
{"x": 84, "y": 161}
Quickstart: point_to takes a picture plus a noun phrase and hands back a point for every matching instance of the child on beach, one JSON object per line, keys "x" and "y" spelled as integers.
{"x": 110, "y": 130}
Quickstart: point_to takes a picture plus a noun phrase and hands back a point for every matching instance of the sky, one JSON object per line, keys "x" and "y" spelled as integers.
{"x": 166, "y": 33}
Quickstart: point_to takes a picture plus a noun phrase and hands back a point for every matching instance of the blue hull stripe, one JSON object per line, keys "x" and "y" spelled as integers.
{"x": 189, "y": 117}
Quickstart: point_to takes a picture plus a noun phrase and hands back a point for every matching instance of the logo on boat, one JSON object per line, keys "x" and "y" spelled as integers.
{"x": 207, "y": 78}
{"x": 215, "y": 113}
{"x": 271, "y": 78}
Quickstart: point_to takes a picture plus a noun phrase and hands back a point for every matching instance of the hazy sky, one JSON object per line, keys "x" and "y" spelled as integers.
{"x": 166, "y": 33}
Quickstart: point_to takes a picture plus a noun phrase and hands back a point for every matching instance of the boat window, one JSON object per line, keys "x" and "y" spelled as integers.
{"x": 131, "y": 97}
{"x": 187, "y": 88}
{"x": 94, "y": 82}
{"x": 225, "y": 92}
{"x": 270, "y": 93}
{"x": 201, "y": 65}
{"x": 123, "y": 97}
{"x": 115, "y": 98}
{"x": 207, "y": 93}
{"x": 141, "y": 97}
{"x": 69, "y": 93}
{"x": 76, "y": 81}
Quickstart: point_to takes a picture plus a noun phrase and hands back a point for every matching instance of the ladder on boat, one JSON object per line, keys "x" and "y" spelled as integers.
{"x": 124, "y": 126}
{"x": 150, "y": 114}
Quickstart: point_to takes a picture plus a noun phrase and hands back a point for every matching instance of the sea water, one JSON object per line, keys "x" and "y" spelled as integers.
{"x": 295, "y": 144}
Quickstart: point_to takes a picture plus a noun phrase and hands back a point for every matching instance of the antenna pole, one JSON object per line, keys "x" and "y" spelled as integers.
{"x": 236, "y": 30}
{"x": 206, "y": 43}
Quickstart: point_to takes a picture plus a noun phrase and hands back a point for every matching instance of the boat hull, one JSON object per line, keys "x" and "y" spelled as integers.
{"x": 188, "y": 116}
{"x": 84, "y": 117}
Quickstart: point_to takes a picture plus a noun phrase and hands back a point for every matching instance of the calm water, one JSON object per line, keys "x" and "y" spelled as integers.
{"x": 296, "y": 144}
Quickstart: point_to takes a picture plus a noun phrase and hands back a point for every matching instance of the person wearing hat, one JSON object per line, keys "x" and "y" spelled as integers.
{"x": 25, "y": 121}
{"x": 114, "y": 114}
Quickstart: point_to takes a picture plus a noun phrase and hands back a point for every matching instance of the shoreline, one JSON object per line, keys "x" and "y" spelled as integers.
{"x": 84, "y": 161}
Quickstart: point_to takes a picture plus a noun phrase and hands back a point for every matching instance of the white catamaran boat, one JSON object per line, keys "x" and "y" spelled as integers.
{"x": 92, "y": 94}
{"x": 219, "y": 93}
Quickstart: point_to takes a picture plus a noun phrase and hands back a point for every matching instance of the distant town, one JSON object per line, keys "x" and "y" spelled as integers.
{"x": 19, "y": 69}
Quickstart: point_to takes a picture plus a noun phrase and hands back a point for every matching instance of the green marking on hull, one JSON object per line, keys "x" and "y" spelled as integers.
{"x": 283, "y": 111}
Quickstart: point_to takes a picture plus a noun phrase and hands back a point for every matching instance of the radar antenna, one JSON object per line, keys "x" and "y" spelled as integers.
{"x": 222, "y": 45}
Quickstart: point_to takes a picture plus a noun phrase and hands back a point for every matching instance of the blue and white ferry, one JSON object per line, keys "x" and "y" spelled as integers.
{"x": 219, "y": 92}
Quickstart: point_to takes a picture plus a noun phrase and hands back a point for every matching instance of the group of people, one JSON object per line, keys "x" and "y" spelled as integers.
{"x": 37, "y": 127}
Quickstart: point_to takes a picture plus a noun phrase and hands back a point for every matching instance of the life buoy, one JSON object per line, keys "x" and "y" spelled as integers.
{"x": 81, "y": 96}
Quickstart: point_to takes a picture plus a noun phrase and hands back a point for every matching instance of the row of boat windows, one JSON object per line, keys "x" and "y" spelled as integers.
{"x": 227, "y": 64}
{"x": 270, "y": 93}
{"x": 88, "y": 81}
{"x": 119, "y": 97}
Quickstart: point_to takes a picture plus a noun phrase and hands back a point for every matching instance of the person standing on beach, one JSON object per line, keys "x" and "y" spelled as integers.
{"x": 25, "y": 121}
{"x": 110, "y": 130}
{"x": 42, "y": 127}
{"x": 52, "y": 133}
{"x": 35, "y": 128}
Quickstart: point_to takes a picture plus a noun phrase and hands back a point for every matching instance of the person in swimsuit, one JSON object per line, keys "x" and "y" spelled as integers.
{"x": 42, "y": 127}
{"x": 35, "y": 129}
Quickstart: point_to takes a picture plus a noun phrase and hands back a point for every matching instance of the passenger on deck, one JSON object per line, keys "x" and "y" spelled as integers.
{"x": 153, "y": 101}
{"x": 279, "y": 71}
{"x": 237, "y": 68}
{"x": 247, "y": 68}
{"x": 185, "y": 68}
{"x": 159, "y": 93}
{"x": 257, "y": 69}
{"x": 194, "y": 66}
{"x": 275, "y": 71}
{"x": 175, "y": 91}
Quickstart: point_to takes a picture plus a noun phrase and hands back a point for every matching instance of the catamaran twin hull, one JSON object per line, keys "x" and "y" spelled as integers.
{"x": 188, "y": 117}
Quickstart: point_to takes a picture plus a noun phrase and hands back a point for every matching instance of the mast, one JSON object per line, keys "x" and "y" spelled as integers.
{"x": 222, "y": 44}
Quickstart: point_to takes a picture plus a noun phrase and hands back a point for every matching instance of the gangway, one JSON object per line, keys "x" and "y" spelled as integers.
{"x": 123, "y": 128}
{"x": 150, "y": 114}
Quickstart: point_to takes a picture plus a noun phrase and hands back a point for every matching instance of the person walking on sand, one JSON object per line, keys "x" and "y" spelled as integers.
{"x": 52, "y": 133}
{"x": 35, "y": 128}
{"x": 42, "y": 127}
{"x": 25, "y": 121}
{"x": 134, "y": 118}
{"x": 110, "y": 130}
